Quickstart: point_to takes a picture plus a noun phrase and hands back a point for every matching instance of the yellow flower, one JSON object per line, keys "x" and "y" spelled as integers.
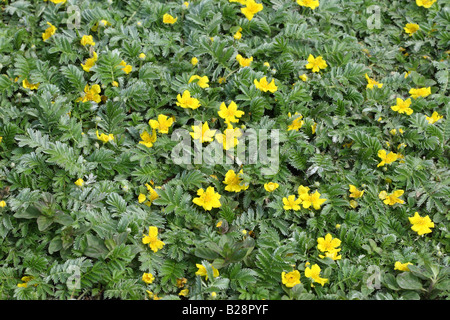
{"x": 297, "y": 123}
{"x": 302, "y": 190}
{"x": 85, "y": 40}
{"x": 371, "y": 83}
{"x": 303, "y": 77}
{"x": 181, "y": 282}
{"x": 152, "y": 239}
{"x": 391, "y": 199}
{"x": 115, "y": 84}
{"x": 49, "y": 32}
{"x": 403, "y": 106}
{"x": 251, "y": 8}
{"x": 290, "y": 279}
{"x": 313, "y": 199}
{"x": 332, "y": 254}
{"x": 58, "y": 1}
{"x": 421, "y": 225}
{"x": 186, "y": 101}
{"x": 2, "y": 204}
{"x": 203, "y": 273}
{"x": 148, "y": 140}
{"x": 353, "y": 204}
{"x": 266, "y": 64}
{"x": 386, "y": 158}
{"x": 229, "y": 139}
{"x": 213, "y": 294}
{"x": 219, "y": 224}
{"x": 354, "y": 192}
{"x": 152, "y": 192}
{"x": 328, "y": 244}
{"x": 420, "y": 92}
{"x": 148, "y": 278}
{"x": 168, "y": 19}
{"x": 290, "y": 203}
{"x": 222, "y": 80}
{"x": 142, "y": 197}
{"x": 142, "y": 56}
{"x": 271, "y": 186}
{"x": 203, "y": 133}
{"x": 231, "y": 113}
{"x": 92, "y": 93}
{"x": 233, "y": 182}
{"x": 402, "y": 266}
{"x": 411, "y": 28}
{"x": 425, "y": 3}
{"x": 79, "y": 182}
{"x": 316, "y": 63}
{"x": 434, "y": 117}
{"x": 184, "y": 292}
{"x": 90, "y": 62}
{"x": 125, "y": 67}
{"x": 314, "y": 127}
{"x": 162, "y": 124}
{"x": 393, "y": 132}
{"x": 30, "y": 86}
{"x": 308, "y": 3}
{"x": 105, "y": 138}
{"x": 238, "y": 34}
{"x": 186, "y": 4}
{"x": 265, "y": 86}
{"x": 244, "y": 62}
{"x": 202, "y": 81}
{"x": 194, "y": 61}
{"x": 314, "y": 273}
{"x": 207, "y": 199}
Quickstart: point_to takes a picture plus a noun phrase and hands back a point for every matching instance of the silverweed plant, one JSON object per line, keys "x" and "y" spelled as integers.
{"x": 224, "y": 149}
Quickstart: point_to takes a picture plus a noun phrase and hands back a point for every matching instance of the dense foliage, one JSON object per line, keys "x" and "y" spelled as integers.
{"x": 93, "y": 204}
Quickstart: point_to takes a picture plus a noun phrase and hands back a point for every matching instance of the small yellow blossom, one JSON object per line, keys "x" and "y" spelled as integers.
{"x": 290, "y": 279}
{"x": 90, "y": 62}
{"x": 202, "y": 133}
{"x": 271, "y": 186}
{"x": 393, "y": 198}
{"x": 265, "y": 86}
{"x": 30, "y": 86}
{"x": 316, "y": 63}
{"x": 328, "y": 244}
{"x": 434, "y": 117}
{"x": 420, "y": 92}
{"x": 411, "y": 28}
{"x": 92, "y": 93}
{"x": 290, "y": 203}
{"x": 152, "y": 239}
{"x": 87, "y": 40}
{"x": 371, "y": 83}
{"x": 126, "y": 67}
{"x": 308, "y": 3}
{"x": 2, "y": 204}
{"x": 297, "y": 123}
{"x": 148, "y": 140}
{"x": 402, "y": 266}
{"x": 168, "y": 19}
{"x": 184, "y": 292}
{"x": 194, "y": 61}
{"x": 186, "y": 101}
{"x": 207, "y": 199}
{"x": 354, "y": 192}
{"x": 238, "y": 34}
{"x": 201, "y": 81}
{"x": 203, "y": 273}
{"x": 162, "y": 124}
{"x": 303, "y": 77}
{"x": 421, "y": 225}
{"x": 142, "y": 56}
{"x": 148, "y": 278}
{"x": 425, "y": 3}
{"x": 49, "y": 32}
{"x": 251, "y": 8}
{"x": 386, "y": 158}
{"x": 244, "y": 62}
{"x": 402, "y": 106}
{"x": 314, "y": 274}
{"x": 230, "y": 113}
{"x": 104, "y": 137}
{"x": 79, "y": 182}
